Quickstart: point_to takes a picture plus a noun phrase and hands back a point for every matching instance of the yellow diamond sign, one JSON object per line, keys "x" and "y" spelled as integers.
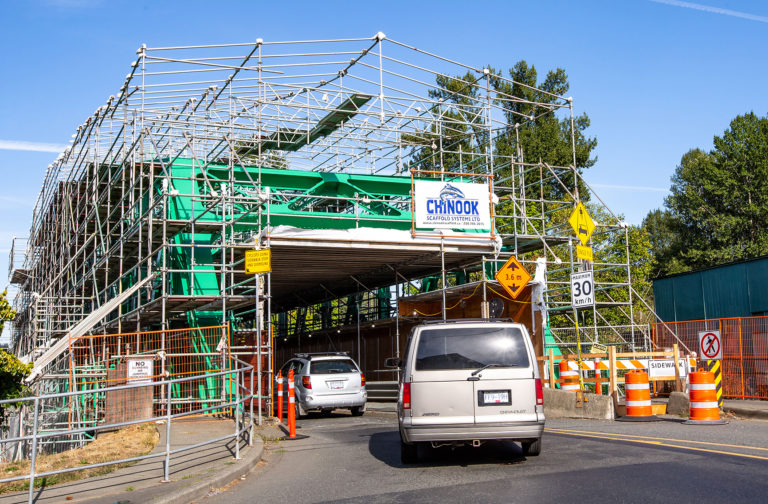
{"x": 513, "y": 277}
{"x": 582, "y": 223}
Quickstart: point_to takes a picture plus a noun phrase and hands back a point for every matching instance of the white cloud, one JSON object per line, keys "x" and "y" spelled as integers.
{"x": 630, "y": 188}
{"x": 31, "y": 146}
{"x": 713, "y": 10}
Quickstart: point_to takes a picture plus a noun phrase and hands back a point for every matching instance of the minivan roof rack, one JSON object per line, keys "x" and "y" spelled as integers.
{"x": 309, "y": 355}
{"x": 458, "y": 321}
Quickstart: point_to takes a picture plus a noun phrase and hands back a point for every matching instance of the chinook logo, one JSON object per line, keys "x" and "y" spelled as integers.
{"x": 450, "y": 192}
{"x": 452, "y": 202}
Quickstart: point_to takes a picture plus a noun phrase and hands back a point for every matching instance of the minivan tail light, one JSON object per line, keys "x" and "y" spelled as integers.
{"x": 362, "y": 380}
{"x": 306, "y": 381}
{"x": 407, "y": 395}
{"x": 539, "y": 392}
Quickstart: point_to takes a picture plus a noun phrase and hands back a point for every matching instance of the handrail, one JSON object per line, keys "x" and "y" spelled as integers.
{"x": 237, "y": 403}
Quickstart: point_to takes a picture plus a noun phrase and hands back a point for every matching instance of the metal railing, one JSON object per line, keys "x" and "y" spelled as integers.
{"x": 238, "y": 404}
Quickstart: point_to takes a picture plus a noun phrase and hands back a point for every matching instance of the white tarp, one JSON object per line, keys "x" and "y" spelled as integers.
{"x": 378, "y": 235}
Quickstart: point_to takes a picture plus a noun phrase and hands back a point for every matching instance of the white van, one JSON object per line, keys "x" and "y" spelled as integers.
{"x": 468, "y": 382}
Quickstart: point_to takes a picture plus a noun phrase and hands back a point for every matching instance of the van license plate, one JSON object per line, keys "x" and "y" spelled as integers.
{"x": 495, "y": 398}
{"x": 336, "y": 385}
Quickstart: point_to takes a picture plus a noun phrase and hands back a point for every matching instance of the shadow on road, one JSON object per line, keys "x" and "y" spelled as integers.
{"x": 385, "y": 446}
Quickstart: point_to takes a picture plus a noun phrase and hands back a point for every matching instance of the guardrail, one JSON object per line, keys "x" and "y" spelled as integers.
{"x": 238, "y": 403}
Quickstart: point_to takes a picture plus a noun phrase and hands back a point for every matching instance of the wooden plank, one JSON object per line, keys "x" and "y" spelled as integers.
{"x": 551, "y": 368}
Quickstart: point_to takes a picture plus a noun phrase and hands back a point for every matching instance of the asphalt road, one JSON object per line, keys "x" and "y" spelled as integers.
{"x": 348, "y": 459}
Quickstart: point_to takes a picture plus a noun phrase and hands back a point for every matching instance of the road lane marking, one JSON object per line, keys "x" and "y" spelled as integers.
{"x": 657, "y": 442}
{"x": 748, "y": 447}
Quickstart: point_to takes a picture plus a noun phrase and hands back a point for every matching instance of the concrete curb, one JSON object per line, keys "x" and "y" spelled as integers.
{"x": 747, "y": 412}
{"x": 248, "y": 463}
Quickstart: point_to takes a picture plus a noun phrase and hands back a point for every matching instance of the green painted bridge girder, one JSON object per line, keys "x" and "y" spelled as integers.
{"x": 375, "y": 200}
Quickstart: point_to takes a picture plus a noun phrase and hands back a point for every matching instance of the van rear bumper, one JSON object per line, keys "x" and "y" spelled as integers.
{"x": 514, "y": 431}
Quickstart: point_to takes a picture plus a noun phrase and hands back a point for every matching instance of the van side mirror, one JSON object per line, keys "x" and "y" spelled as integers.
{"x": 393, "y": 362}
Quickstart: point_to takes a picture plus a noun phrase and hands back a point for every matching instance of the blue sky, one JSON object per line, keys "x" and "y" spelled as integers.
{"x": 657, "y": 78}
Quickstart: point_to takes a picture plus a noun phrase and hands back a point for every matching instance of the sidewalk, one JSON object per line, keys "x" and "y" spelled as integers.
{"x": 747, "y": 408}
{"x": 192, "y": 472}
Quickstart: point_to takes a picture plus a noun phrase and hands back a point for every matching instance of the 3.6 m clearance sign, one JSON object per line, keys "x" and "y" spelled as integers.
{"x": 452, "y": 205}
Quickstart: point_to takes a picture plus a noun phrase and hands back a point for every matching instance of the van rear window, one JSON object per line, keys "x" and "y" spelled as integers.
{"x": 470, "y": 348}
{"x": 332, "y": 366}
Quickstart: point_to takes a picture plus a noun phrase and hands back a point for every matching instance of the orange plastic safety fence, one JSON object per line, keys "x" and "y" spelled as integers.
{"x": 106, "y": 360}
{"x": 745, "y": 350}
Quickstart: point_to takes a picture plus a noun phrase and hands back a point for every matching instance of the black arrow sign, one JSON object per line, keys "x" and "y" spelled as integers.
{"x": 514, "y": 287}
{"x": 512, "y": 266}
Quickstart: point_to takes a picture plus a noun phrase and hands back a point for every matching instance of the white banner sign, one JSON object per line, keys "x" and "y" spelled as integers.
{"x": 140, "y": 370}
{"x": 663, "y": 368}
{"x": 452, "y": 205}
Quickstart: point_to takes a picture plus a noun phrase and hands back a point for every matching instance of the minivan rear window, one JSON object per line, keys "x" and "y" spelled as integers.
{"x": 332, "y": 366}
{"x": 470, "y": 348}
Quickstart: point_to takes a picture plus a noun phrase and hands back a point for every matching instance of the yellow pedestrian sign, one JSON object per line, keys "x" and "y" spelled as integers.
{"x": 582, "y": 223}
{"x": 258, "y": 261}
{"x": 513, "y": 277}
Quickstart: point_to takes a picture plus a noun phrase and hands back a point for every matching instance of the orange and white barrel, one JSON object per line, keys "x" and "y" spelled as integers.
{"x": 702, "y": 395}
{"x": 638, "y": 394}
{"x": 569, "y": 379}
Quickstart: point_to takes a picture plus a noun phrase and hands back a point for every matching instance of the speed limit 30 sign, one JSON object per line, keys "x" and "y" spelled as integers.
{"x": 582, "y": 289}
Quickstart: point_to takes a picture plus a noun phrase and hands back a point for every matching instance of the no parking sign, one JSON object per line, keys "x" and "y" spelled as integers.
{"x": 711, "y": 345}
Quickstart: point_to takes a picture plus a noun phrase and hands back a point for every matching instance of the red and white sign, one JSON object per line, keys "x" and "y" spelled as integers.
{"x": 711, "y": 345}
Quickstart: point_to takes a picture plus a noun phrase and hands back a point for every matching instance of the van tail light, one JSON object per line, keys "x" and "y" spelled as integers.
{"x": 407, "y": 395}
{"x": 306, "y": 381}
{"x": 539, "y": 392}
{"x": 362, "y": 380}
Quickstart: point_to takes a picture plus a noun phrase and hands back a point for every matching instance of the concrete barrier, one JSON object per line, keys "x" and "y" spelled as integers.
{"x": 678, "y": 404}
{"x": 562, "y": 404}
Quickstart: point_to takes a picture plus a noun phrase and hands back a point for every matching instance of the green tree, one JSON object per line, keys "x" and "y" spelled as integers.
{"x": 663, "y": 235}
{"x": 611, "y": 247}
{"x": 452, "y": 141}
{"x": 719, "y": 199}
{"x": 12, "y": 370}
{"x": 6, "y": 311}
{"x": 12, "y": 374}
{"x": 542, "y": 134}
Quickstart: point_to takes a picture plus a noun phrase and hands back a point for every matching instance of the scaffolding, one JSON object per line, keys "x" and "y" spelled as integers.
{"x": 206, "y": 151}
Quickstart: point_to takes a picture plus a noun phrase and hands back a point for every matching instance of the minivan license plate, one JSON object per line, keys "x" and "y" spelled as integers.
{"x": 336, "y": 384}
{"x": 495, "y": 397}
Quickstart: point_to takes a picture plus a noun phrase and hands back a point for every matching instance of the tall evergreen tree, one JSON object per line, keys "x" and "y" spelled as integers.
{"x": 719, "y": 199}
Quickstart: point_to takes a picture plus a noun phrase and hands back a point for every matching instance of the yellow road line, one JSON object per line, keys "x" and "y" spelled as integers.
{"x": 661, "y": 439}
{"x": 653, "y": 441}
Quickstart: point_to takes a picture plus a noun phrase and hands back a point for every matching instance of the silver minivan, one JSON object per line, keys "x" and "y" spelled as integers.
{"x": 469, "y": 382}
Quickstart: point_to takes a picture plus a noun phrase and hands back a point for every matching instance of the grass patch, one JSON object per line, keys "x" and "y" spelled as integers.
{"x": 132, "y": 441}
